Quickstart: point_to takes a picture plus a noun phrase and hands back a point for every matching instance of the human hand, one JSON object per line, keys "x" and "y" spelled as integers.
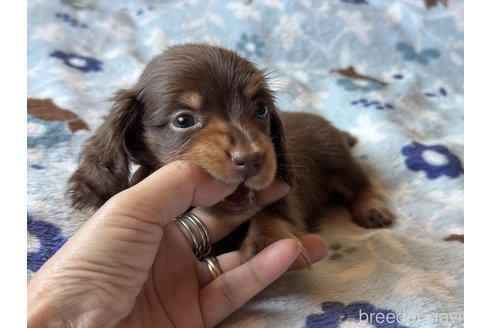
{"x": 130, "y": 265}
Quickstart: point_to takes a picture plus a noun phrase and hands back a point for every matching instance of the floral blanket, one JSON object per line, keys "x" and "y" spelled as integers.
{"x": 390, "y": 72}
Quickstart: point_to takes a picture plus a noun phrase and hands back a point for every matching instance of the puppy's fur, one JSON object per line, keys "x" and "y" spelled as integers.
{"x": 208, "y": 105}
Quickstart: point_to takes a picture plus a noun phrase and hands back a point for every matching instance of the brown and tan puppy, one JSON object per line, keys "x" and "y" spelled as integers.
{"x": 208, "y": 105}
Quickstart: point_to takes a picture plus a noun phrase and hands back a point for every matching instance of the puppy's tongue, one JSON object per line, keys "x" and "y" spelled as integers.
{"x": 239, "y": 200}
{"x": 241, "y": 194}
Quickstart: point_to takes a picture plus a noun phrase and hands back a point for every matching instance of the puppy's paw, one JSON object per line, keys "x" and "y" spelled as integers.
{"x": 252, "y": 245}
{"x": 373, "y": 214}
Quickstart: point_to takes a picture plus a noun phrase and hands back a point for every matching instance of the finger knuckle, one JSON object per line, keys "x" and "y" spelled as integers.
{"x": 229, "y": 293}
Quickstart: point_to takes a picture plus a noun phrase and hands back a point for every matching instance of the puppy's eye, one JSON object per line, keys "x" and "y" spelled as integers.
{"x": 262, "y": 111}
{"x": 184, "y": 121}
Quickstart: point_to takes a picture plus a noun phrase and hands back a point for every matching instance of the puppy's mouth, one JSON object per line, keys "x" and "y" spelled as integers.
{"x": 240, "y": 200}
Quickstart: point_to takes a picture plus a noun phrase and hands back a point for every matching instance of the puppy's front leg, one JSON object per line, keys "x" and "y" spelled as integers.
{"x": 267, "y": 228}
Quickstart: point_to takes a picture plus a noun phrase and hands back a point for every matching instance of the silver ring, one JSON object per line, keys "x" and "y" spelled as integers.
{"x": 213, "y": 266}
{"x": 199, "y": 235}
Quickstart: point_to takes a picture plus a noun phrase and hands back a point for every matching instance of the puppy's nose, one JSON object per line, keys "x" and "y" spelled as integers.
{"x": 247, "y": 164}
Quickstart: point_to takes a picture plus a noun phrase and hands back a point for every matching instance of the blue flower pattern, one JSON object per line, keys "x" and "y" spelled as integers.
{"x": 438, "y": 162}
{"x": 56, "y": 132}
{"x": 82, "y": 63}
{"x": 69, "y": 20}
{"x": 440, "y": 93}
{"x": 372, "y": 103}
{"x": 50, "y": 239}
{"x": 423, "y": 57}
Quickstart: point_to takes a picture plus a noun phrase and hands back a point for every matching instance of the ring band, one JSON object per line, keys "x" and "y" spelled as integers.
{"x": 198, "y": 233}
{"x": 213, "y": 266}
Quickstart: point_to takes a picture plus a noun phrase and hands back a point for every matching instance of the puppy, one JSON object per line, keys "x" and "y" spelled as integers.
{"x": 210, "y": 106}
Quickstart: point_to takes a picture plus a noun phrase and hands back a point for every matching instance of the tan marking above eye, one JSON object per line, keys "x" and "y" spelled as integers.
{"x": 252, "y": 87}
{"x": 191, "y": 99}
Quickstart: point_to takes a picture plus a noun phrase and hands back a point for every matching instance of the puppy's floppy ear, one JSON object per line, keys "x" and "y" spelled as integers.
{"x": 284, "y": 164}
{"x": 104, "y": 166}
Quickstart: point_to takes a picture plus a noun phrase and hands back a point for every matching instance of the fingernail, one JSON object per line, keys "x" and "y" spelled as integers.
{"x": 299, "y": 245}
{"x": 284, "y": 187}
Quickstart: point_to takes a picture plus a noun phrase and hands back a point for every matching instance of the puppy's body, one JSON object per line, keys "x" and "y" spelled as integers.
{"x": 326, "y": 171}
{"x": 212, "y": 107}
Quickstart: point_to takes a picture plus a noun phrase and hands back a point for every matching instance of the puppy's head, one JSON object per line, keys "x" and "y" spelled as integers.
{"x": 194, "y": 102}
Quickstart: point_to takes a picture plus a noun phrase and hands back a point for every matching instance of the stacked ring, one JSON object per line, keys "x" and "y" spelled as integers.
{"x": 199, "y": 235}
{"x": 201, "y": 241}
